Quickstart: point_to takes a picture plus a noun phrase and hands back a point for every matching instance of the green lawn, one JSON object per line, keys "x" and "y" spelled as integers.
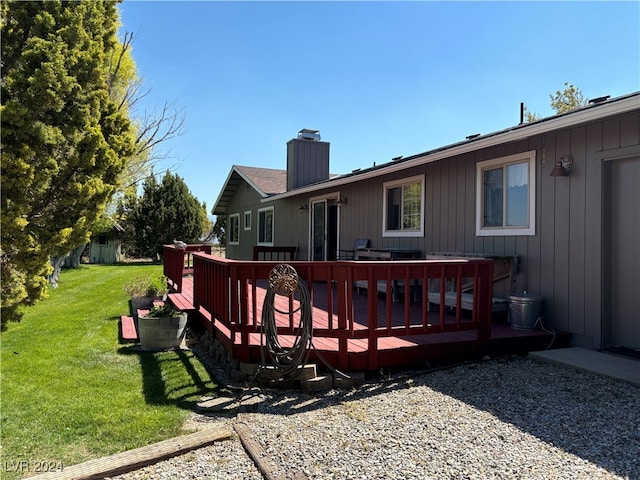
{"x": 70, "y": 392}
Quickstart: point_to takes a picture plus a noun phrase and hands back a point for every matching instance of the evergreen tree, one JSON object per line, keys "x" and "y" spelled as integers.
{"x": 167, "y": 211}
{"x": 570, "y": 98}
{"x": 563, "y": 101}
{"x": 64, "y": 140}
{"x": 219, "y": 230}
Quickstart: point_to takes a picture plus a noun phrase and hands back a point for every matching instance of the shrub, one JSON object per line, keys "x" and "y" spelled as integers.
{"x": 147, "y": 286}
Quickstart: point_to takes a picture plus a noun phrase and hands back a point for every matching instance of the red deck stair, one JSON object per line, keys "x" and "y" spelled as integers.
{"x": 128, "y": 329}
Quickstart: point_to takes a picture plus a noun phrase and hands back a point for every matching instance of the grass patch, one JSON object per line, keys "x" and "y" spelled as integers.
{"x": 70, "y": 392}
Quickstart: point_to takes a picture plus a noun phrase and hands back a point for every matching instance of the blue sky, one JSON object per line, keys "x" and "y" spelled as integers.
{"x": 378, "y": 79}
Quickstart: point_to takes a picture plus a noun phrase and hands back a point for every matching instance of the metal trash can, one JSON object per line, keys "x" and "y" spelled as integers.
{"x": 525, "y": 311}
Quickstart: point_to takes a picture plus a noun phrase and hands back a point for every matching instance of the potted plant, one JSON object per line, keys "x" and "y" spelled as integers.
{"x": 163, "y": 327}
{"x": 145, "y": 289}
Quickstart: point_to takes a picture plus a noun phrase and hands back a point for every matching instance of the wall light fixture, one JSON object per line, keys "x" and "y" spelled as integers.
{"x": 562, "y": 167}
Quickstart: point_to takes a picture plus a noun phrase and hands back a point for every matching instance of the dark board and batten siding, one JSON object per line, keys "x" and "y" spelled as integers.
{"x": 292, "y": 226}
{"x": 245, "y": 199}
{"x": 307, "y": 162}
{"x": 290, "y": 223}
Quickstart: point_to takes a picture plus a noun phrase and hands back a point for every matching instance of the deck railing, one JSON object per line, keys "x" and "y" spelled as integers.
{"x": 179, "y": 262}
{"x": 277, "y": 254}
{"x": 230, "y": 291}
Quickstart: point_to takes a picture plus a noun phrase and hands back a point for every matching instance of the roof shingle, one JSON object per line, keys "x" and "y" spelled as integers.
{"x": 268, "y": 181}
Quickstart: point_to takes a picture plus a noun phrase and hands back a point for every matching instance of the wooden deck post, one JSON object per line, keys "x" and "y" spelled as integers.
{"x": 485, "y": 300}
{"x": 372, "y": 301}
{"x": 343, "y": 286}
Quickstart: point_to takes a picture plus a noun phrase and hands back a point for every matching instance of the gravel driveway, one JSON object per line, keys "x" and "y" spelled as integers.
{"x": 498, "y": 419}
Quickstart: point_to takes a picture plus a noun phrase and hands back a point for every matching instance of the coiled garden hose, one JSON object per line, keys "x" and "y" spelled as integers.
{"x": 284, "y": 280}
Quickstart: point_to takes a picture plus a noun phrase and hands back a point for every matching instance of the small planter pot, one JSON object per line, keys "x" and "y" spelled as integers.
{"x": 161, "y": 333}
{"x": 141, "y": 303}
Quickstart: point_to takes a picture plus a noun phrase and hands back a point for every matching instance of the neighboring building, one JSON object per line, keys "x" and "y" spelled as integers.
{"x": 106, "y": 247}
{"x": 577, "y": 236}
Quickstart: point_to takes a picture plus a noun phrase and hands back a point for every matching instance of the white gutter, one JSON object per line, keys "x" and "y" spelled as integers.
{"x": 520, "y": 132}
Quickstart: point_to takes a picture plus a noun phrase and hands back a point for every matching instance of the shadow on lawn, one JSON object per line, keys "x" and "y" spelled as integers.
{"x": 171, "y": 377}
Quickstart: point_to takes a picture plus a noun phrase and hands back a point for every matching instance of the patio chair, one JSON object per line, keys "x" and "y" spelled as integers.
{"x": 358, "y": 244}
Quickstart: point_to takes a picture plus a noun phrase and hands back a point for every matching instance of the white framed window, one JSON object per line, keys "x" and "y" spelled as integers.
{"x": 265, "y": 226}
{"x": 505, "y": 195}
{"x": 247, "y": 220}
{"x": 234, "y": 229}
{"x": 403, "y": 212}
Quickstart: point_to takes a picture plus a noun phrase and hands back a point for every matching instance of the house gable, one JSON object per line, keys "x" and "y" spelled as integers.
{"x": 264, "y": 181}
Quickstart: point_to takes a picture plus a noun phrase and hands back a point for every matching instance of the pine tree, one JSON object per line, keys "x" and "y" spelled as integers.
{"x": 64, "y": 140}
{"x": 166, "y": 212}
{"x": 571, "y": 98}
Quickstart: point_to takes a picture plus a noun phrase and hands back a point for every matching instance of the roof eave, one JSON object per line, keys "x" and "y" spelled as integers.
{"x": 219, "y": 207}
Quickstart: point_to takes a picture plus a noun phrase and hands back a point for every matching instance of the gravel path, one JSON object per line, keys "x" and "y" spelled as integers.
{"x": 498, "y": 419}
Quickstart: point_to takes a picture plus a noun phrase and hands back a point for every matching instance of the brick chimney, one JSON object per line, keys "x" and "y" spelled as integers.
{"x": 307, "y": 159}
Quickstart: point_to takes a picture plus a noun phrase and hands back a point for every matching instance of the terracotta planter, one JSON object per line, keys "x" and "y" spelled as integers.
{"x": 161, "y": 333}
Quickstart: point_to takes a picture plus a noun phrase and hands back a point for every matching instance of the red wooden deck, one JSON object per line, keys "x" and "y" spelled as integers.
{"x": 391, "y": 349}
